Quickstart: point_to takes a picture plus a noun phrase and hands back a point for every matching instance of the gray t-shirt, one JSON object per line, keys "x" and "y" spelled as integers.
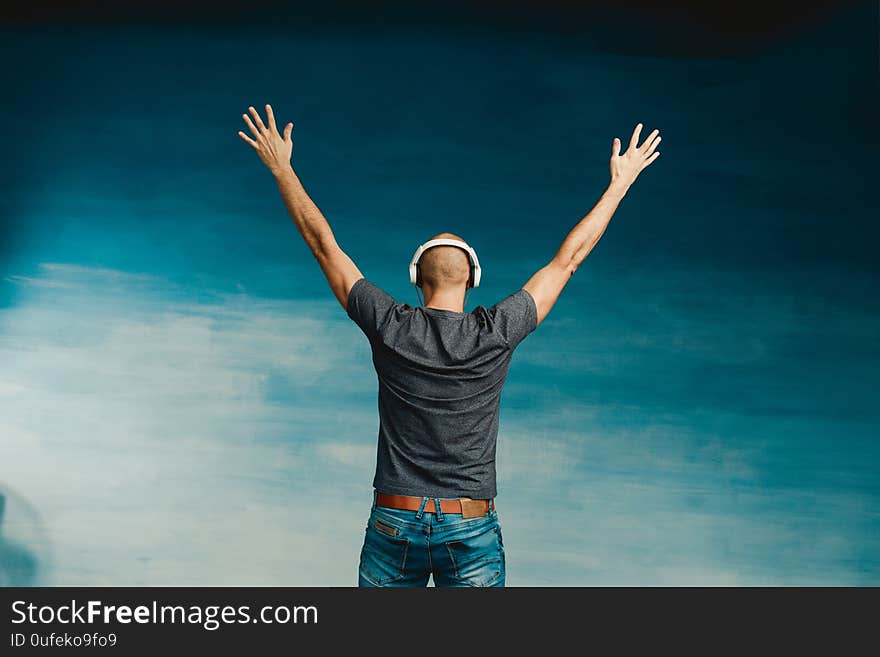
{"x": 440, "y": 377}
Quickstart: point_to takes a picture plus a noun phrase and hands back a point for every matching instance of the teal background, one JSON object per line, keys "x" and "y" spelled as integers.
{"x": 182, "y": 400}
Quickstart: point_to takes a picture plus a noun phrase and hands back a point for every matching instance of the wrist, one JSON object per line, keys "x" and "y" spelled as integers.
{"x": 617, "y": 188}
{"x": 283, "y": 171}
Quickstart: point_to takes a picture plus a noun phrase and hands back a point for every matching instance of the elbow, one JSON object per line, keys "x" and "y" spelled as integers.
{"x": 324, "y": 245}
{"x": 564, "y": 264}
{"x": 571, "y": 261}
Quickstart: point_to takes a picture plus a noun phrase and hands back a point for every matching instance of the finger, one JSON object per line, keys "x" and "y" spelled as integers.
{"x": 247, "y": 139}
{"x": 635, "y": 136}
{"x": 270, "y": 116}
{"x": 254, "y": 131}
{"x": 615, "y": 147}
{"x": 650, "y": 159}
{"x": 653, "y": 146}
{"x": 287, "y": 130}
{"x": 649, "y": 139}
{"x": 257, "y": 118}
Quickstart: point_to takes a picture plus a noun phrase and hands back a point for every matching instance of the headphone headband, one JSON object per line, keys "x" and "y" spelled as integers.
{"x": 473, "y": 280}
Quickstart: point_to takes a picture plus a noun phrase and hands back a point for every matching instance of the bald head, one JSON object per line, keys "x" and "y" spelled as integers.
{"x": 445, "y": 266}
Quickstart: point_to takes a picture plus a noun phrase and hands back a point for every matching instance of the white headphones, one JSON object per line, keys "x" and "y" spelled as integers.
{"x": 473, "y": 280}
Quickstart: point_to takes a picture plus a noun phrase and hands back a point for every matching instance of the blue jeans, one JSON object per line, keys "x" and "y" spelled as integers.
{"x": 403, "y": 548}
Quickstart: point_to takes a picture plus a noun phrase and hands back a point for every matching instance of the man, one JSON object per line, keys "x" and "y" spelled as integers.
{"x": 440, "y": 372}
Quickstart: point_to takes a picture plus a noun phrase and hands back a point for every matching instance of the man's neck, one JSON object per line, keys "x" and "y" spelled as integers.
{"x": 445, "y": 301}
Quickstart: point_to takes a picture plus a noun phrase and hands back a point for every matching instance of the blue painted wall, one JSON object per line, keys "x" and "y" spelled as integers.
{"x": 183, "y": 401}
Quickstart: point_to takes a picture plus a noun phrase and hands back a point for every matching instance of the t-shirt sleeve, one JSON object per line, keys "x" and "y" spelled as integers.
{"x": 369, "y": 306}
{"x": 515, "y": 316}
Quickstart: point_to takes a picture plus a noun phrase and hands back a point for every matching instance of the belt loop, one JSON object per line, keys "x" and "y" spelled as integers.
{"x": 438, "y": 510}
{"x": 421, "y": 510}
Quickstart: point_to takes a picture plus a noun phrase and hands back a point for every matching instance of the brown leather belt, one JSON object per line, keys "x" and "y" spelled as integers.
{"x": 467, "y": 507}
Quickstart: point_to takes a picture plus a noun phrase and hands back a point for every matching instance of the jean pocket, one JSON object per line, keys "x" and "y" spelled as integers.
{"x": 478, "y": 558}
{"x": 383, "y": 556}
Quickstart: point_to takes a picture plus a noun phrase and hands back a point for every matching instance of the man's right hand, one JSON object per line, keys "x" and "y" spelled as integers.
{"x": 273, "y": 148}
{"x": 548, "y": 282}
{"x": 627, "y": 167}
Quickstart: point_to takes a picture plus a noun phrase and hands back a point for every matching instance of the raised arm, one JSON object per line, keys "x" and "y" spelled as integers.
{"x": 275, "y": 151}
{"x": 548, "y": 282}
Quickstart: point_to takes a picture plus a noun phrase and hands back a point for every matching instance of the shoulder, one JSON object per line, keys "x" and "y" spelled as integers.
{"x": 363, "y": 290}
{"x": 372, "y": 308}
{"x": 520, "y": 302}
{"x": 513, "y": 318}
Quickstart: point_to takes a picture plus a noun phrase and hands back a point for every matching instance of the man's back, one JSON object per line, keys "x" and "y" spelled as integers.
{"x": 440, "y": 377}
